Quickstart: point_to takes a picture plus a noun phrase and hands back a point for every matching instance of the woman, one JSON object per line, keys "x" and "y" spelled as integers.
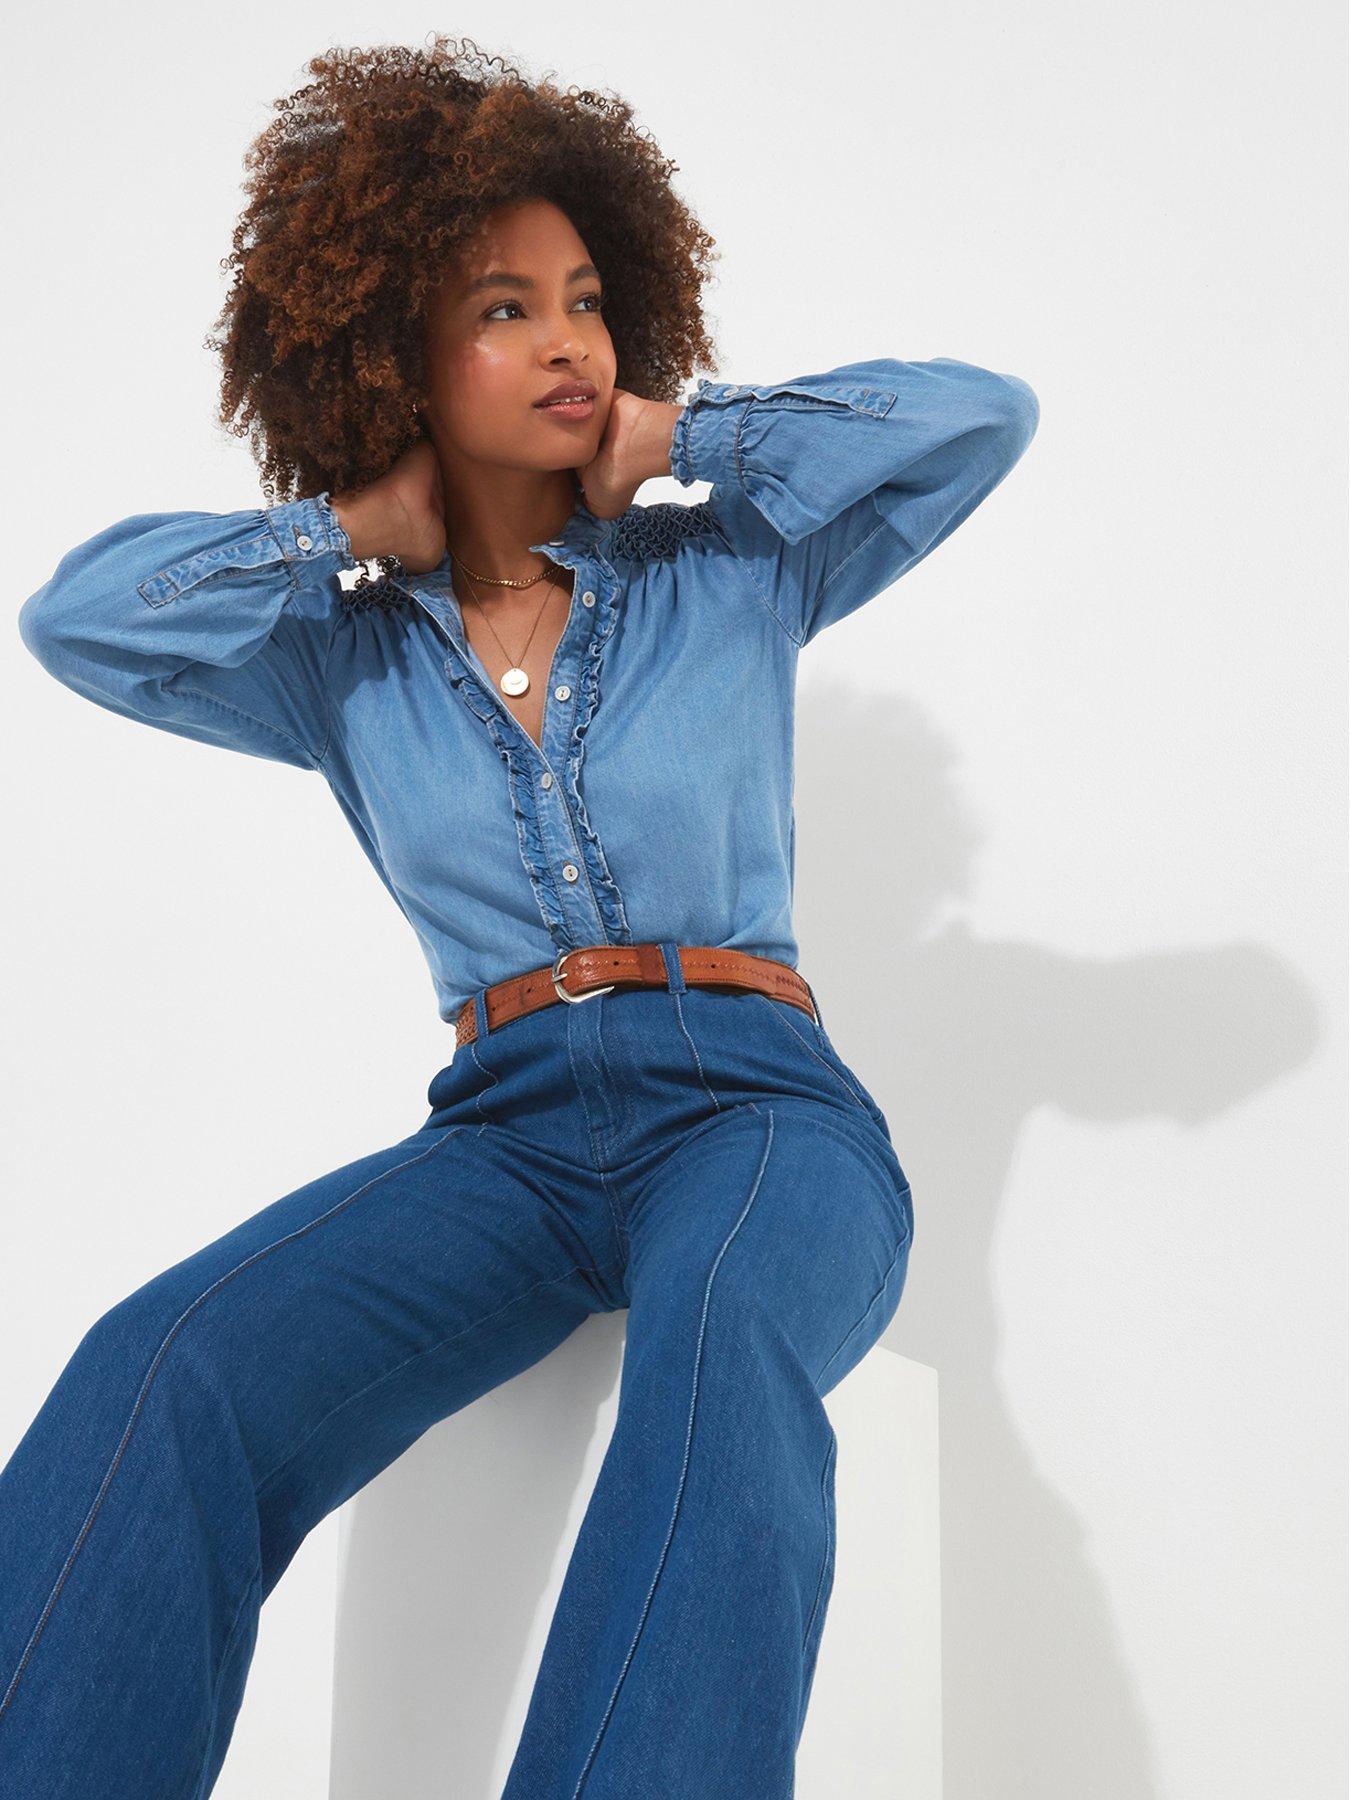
{"x": 560, "y": 724}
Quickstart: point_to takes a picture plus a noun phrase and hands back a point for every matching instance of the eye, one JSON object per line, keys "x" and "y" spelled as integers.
{"x": 501, "y": 305}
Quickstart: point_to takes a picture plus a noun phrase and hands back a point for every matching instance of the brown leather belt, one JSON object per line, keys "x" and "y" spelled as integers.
{"x": 594, "y": 969}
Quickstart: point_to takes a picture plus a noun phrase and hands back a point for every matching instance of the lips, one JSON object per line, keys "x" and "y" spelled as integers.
{"x": 569, "y": 397}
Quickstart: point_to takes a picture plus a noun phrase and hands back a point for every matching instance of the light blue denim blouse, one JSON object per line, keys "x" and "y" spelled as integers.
{"x": 659, "y": 806}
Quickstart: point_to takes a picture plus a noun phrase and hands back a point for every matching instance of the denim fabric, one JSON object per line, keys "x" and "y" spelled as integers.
{"x": 702, "y": 1158}
{"x": 659, "y": 805}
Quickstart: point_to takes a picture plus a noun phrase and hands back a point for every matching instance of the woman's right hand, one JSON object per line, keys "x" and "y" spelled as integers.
{"x": 401, "y": 514}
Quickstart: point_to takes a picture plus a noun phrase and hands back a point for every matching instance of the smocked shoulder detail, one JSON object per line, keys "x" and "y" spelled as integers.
{"x": 655, "y": 533}
{"x": 377, "y": 596}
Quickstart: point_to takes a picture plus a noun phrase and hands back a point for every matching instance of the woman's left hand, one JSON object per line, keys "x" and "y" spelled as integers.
{"x": 635, "y": 447}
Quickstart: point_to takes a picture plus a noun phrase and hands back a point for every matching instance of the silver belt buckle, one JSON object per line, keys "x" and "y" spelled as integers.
{"x": 574, "y": 999}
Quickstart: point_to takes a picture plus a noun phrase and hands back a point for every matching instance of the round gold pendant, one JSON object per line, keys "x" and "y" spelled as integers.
{"x": 515, "y": 681}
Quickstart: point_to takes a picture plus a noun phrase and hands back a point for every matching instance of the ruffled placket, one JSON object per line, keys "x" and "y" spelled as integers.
{"x": 545, "y": 781}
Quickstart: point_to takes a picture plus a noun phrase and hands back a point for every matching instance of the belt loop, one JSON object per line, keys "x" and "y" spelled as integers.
{"x": 675, "y": 980}
{"x": 810, "y": 990}
{"x": 480, "y": 1017}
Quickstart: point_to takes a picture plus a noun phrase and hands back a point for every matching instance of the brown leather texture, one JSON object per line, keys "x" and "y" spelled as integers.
{"x": 633, "y": 965}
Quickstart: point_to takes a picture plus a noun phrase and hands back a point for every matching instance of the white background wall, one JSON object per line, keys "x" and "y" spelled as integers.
{"x": 1079, "y": 925}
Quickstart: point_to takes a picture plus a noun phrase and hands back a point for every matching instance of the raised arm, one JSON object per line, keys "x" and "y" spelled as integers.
{"x": 830, "y": 487}
{"x": 215, "y": 626}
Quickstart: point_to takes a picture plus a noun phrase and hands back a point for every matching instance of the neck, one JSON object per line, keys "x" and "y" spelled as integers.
{"x": 494, "y": 514}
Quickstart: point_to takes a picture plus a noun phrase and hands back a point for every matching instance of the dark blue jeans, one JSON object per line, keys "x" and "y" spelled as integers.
{"x": 701, "y": 1157}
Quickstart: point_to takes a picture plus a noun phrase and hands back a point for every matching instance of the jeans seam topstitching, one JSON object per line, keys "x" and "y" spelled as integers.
{"x": 148, "y": 1381}
{"x": 426, "y": 1350}
{"x": 698, "y": 1060}
{"x": 811, "y": 1049}
{"x": 483, "y": 1069}
{"x": 866, "y": 1313}
{"x": 619, "y": 1088}
{"x": 829, "y": 1541}
{"x": 255, "y": 1581}
{"x": 619, "y": 1230}
{"x": 684, "y": 1466}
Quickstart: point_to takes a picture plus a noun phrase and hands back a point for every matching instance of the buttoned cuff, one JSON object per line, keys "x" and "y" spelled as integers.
{"x": 307, "y": 531}
{"x": 303, "y": 534}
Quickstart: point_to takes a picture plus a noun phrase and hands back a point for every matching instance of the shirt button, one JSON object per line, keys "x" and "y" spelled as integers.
{"x": 304, "y": 542}
{"x": 562, "y": 693}
{"x": 570, "y": 871}
{"x": 588, "y": 599}
{"x": 546, "y": 779}
{"x": 555, "y": 543}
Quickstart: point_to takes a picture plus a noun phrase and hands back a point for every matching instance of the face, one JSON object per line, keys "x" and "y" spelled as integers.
{"x": 517, "y": 317}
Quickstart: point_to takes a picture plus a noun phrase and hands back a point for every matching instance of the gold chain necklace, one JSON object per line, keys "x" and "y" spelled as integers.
{"x": 515, "y": 681}
{"x": 522, "y": 581}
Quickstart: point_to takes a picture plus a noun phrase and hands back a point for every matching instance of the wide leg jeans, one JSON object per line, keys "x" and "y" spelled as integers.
{"x": 701, "y": 1157}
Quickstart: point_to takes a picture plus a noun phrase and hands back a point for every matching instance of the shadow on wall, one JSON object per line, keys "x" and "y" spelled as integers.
{"x": 959, "y": 1038}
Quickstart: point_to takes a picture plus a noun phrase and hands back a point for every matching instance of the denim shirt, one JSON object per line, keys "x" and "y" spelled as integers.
{"x": 659, "y": 805}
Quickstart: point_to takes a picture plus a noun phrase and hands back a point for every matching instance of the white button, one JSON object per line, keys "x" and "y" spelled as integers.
{"x": 546, "y": 779}
{"x": 555, "y": 543}
{"x": 304, "y": 542}
{"x": 588, "y": 599}
{"x": 562, "y": 693}
{"x": 570, "y": 871}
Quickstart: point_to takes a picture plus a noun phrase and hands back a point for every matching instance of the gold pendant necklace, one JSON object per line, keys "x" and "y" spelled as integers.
{"x": 515, "y": 681}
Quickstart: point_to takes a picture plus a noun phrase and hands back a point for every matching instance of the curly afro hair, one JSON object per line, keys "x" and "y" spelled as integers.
{"x": 359, "y": 195}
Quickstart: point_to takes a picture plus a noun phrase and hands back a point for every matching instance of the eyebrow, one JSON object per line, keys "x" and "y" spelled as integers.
{"x": 501, "y": 278}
